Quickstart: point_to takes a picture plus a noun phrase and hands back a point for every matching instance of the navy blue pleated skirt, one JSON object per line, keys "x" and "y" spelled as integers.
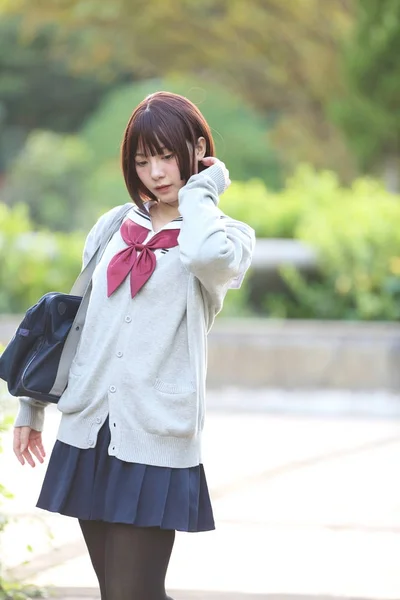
{"x": 89, "y": 484}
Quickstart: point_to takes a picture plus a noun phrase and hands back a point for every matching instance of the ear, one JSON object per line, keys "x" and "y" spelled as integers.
{"x": 200, "y": 149}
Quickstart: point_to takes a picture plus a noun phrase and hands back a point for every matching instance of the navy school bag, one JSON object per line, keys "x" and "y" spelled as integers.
{"x": 37, "y": 360}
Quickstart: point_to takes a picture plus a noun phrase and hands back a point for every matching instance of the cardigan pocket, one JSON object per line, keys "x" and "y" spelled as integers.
{"x": 71, "y": 401}
{"x": 173, "y": 411}
{"x": 174, "y": 387}
{"x": 76, "y": 368}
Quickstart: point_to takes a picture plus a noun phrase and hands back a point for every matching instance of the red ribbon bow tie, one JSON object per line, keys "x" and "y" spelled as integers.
{"x": 140, "y": 266}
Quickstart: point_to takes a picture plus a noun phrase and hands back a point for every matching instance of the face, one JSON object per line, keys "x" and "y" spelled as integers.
{"x": 160, "y": 174}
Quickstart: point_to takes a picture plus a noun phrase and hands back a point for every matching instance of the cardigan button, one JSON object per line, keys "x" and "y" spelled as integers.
{"x": 112, "y": 389}
{"x": 91, "y": 443}
{"x": 128, "y": 319}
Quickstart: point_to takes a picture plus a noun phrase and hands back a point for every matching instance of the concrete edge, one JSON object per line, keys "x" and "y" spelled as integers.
{"x": 92, "y": 593}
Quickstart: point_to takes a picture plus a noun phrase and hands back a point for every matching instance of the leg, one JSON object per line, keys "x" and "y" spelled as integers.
{"x": 94, "y": 533}
{"x": 136, "y": 561}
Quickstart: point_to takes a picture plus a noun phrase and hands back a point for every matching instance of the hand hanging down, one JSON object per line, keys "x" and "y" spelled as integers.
{"x": 28, "y": 442}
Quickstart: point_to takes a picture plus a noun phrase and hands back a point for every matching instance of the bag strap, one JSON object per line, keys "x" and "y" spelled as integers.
{"x": 83, "y": 287}
{"x": 83, "y": 280}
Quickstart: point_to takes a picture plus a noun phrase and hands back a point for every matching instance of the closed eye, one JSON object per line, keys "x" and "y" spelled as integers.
{"x": 143, "y": 163}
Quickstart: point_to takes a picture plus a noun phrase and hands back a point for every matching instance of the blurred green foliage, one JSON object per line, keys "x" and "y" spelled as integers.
{"x": 367, "y": 108}
{"x": 279, "y": 214}
{"x": 355, "y": 232}
{"x": 33, "y": 262}
{"x": 38, "y": 89}
{"x": 240, "y": 134}
{"x": 282, "y": 58}
{"x": 357, "y": 237}
{"x": 13, "y": 591}
{"x": 49, "y": 176}
{"x": 324, "y": 76}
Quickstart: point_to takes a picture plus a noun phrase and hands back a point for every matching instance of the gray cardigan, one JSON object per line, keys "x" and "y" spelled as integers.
{"x": 142, "y": 361}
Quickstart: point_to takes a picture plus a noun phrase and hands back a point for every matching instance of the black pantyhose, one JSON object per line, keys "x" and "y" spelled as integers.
{"x": 130, "y": 562}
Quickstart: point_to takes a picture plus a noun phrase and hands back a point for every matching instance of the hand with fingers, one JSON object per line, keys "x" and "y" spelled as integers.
{"x": 27, "y": 444}
{"x": 209, "y": 161}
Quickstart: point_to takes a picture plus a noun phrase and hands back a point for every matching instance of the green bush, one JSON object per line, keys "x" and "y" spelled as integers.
{"x": 61, "y": 182}
{"x": 357, "y": 237}
{"x": 277, "y": 214}
{"x": 49, "y": 176}
{"x": 355, "y": 232}
{"x": 33, "y": 262}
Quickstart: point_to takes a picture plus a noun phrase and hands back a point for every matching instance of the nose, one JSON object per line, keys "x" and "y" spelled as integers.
{"x": 157, "y": 170}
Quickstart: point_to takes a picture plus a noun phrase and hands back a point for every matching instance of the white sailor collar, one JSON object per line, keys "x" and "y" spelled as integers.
{"x": 142, "y": 218}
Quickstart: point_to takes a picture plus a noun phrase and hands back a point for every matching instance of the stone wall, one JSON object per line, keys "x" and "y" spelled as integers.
{"x": 305, "y": 354}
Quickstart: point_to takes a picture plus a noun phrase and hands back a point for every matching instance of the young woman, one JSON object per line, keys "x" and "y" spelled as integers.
{"x": 127, "y": 461}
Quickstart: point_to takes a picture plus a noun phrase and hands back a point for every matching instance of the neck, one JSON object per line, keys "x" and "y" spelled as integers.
{"x": 165, "y": 211}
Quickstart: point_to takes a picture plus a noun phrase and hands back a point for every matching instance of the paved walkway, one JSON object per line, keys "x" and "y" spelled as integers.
{"x": 306, "y": 499}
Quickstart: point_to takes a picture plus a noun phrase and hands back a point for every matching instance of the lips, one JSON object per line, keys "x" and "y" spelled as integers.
{"x": 163, "y": 188}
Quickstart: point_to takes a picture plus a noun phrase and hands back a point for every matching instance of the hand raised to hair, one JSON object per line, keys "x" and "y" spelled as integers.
{"x": 209, "y": 161}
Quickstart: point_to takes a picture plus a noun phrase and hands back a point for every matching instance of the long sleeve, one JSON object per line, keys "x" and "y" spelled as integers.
{"x": 31, "y": 413}
{"x": 215, "y": 248}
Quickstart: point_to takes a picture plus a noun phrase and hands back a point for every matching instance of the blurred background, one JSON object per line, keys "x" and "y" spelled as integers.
{"x": 303, "y": 99}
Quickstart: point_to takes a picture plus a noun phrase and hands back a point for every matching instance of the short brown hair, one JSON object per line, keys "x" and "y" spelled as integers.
{"x": 163, "y": 119}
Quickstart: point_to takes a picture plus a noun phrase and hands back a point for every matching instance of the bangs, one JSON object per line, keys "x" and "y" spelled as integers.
{"x": 152, "y": 134}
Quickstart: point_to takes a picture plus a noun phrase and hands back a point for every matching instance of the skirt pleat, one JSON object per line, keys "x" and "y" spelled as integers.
{"x": 90, "y": 484}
